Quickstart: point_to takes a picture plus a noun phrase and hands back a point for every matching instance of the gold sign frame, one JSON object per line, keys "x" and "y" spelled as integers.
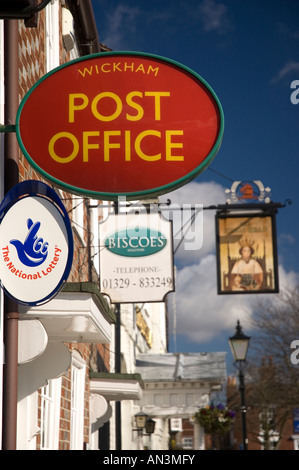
{"x": 246, "y": 252}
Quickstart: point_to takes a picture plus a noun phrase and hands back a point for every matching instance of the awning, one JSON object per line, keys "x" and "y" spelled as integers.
{"x": 79, "y": 313}
{"x": 116, "y": 387}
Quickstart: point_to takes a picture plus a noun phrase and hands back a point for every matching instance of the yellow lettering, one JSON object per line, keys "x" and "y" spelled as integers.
{"x": 86, "y": 70}
{"x": 104, "y": 69}
{"x": 108, "y": 67}
{"x": 87, "y": 145}
{"x": 64, "y": 146}
{"x": 65, "y": 135}
{"x": 151, "y": 69}
{"x": 140, "y": 68}
{"x": 140, "y": 137}
{"x": 116, "y": 67}
{"x": 108, "y": 145}
{"x": 128, "y": 146}
{"x": 72, "y": 107}
{"x": 96, "y": 100}
{"x": 131, "y": 67}
{"x": 134, "y": 105}
{"x": 170, "y": 145}
{"x": 157, "y": 95}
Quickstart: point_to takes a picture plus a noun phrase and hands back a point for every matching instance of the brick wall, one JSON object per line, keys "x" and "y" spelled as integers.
{"x": 31, "y": 68}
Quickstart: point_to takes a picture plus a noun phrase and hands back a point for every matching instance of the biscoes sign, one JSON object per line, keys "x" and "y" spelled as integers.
{"x": 113, "y": 124}
{"x": 136, "y": 257}
{"x": 36, "y": 253}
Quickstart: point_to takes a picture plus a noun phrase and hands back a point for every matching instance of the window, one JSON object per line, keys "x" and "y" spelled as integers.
{"x": 50, "y": 413}
{"x": 296, "y": 444}
{"x": 268, "y": 436}
{"x": 187, "y": 443}
{"x": 77, "y": 401}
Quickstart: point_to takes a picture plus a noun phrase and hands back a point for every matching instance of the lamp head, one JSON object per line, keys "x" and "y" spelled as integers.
{"x": 150, "y": 426}
{"x": 239, "y": 344}
{"x": 141, "y": 418}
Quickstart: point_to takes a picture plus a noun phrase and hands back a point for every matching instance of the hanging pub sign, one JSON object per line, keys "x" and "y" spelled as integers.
{"x": 120, "y": 123}
{"x": 246, "y": 253}
{"x": 136, "y": 257}
{"x": 36, "y": 253}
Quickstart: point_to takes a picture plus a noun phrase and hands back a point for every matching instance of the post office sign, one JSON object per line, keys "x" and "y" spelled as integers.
{"x": 120, "y": 123}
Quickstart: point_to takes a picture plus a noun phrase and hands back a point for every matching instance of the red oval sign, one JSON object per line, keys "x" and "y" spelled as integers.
{"x": 113, "y": 124}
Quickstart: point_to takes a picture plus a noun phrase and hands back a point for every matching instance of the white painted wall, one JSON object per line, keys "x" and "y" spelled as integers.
{"x": 132, "y": 343}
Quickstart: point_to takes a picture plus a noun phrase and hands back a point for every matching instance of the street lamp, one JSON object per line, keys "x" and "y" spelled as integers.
{"x": 239, "y": 346}
{"x": 143, "y": 421}
{"x": 140, "y": 419}
{"x": 150, "y": 426}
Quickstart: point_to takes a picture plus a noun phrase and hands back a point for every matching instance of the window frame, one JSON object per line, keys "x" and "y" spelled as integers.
{"x": 78, "y": 369}
{"x": 50, "y": 414}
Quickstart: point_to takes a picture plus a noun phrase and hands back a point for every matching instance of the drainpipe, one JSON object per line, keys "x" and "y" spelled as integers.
{"x": 88, "y": 240}
{"x": 11, "y": 178}
{"x": 87, "y": 31}
{"x": 118, "y": 440}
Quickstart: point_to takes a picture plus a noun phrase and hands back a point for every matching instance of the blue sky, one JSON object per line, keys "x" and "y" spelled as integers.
{"x": 248, "y": 52}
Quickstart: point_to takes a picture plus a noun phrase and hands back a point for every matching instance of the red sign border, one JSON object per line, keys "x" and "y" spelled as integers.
{"x": 129, "y": 195}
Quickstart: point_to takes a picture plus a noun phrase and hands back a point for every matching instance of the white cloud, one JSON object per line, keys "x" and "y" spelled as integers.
{"x": 287, "y": 280}
{"x": 120, "y": 23}
{"x": 124, "y": 25}
{"x": 202, "y": 314}
{"x": 286, "y": 238}
{"x": 289, "y": 67}
{"x": 214, "y": 16}
{"x": 197, "y": 311}
{"x": 207, "y": 194}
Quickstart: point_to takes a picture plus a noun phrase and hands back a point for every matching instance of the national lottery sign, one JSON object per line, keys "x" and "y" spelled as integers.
{"x": 136, "y": 257}
{"x": 36, "y": 243}
{"x": 120, "y": 124}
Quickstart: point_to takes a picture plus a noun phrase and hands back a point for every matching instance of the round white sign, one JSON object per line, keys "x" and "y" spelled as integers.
{"x": 34, "y": 250}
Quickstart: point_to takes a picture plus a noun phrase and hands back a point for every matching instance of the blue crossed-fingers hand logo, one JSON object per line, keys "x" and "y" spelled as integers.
{"x": 34, "y": 250}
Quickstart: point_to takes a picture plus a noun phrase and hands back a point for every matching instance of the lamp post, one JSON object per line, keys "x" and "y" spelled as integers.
{"x": 239, "y": 346}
